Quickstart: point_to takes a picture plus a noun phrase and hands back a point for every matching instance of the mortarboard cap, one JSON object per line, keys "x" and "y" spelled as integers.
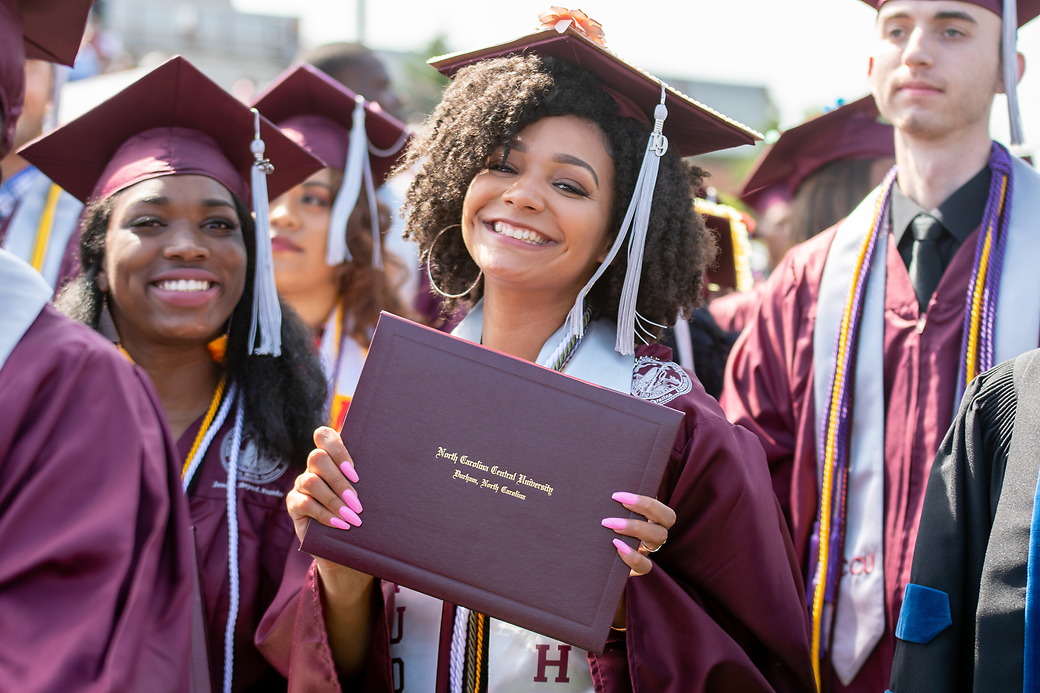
{"x": 692, "y": 128}
{"x": 48, "y": 30}
{"x": 852, "y": 131}
{"x": 331, "y": 122}
{"x": 317, "y": 112}
{"x": 1025, "y": 10}
{"x": 730, "y": 227}
{"x": 678, "y": 121}
{"x": 176, "y": 121}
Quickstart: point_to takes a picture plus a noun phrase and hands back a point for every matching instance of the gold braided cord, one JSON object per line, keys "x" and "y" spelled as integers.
{"x": 218, "y": 394}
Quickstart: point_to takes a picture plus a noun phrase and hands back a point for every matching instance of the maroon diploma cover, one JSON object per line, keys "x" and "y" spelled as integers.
{"x": 485, "y": 477}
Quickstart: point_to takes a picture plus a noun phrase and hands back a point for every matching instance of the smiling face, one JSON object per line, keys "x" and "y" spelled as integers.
{"x": 537, "y": 218}
{"x": 936, "y": 66}
{"x": 175, "y": 261}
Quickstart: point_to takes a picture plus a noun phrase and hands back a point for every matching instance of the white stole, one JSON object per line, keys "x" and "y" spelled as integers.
{"x": 342, "y": 358}
{"x": 23, "y": 294}
{"x": 1018, "y": 315}
{"x": 595, "y": 360}
{"x": 859, "y": 620}
{"x": 859, "y": 617}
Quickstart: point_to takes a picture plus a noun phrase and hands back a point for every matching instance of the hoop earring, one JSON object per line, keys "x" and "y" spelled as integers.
{"x": 429, "y": 272}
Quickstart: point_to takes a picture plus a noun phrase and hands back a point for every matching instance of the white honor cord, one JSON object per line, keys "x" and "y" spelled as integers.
{"x": 457, "y": 659}
{"x": 214, "y": 427}
{"x": 232, "y": 517}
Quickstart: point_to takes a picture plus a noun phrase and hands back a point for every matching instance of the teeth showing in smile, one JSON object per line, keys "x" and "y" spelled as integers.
{"x": 525, "y": 235}
{"x": 184, "y": 285}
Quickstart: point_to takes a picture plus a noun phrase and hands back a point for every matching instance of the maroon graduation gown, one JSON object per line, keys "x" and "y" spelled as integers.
{"x": 722, "y": 610}
{"x": 96, "y": 568}
{"x": 280, "y": 636}
{"x": 768, "y": 390}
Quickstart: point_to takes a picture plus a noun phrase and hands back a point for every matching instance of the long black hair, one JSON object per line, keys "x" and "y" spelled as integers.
{"x": 284, "y": 397}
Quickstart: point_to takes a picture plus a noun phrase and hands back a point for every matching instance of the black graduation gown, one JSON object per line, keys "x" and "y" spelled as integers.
{"x": 973, "y": 542}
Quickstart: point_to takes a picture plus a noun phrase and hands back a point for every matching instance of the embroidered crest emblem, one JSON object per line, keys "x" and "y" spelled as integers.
{"x": 253, "y": 468}
{"x": 659, "y": 381}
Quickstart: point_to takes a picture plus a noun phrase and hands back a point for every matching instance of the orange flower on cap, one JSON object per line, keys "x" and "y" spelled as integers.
{"x": 559, "y": 18}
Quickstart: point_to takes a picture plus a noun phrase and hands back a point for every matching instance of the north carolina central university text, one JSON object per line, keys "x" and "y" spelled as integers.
{"x": 494, "y": 470}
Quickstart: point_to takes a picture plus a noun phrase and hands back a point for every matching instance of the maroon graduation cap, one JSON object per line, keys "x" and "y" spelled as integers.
{"x": 853, "y": 131}
{"x": 350, "y": 134}
{"x": 174, "y": 120}
{"x": 48, "y": 30}
{"x": 1027, "y": 10}
{"x": 317, "y": 112}
{"x": 732, "y": 268}
{"x": 692, "y": 128}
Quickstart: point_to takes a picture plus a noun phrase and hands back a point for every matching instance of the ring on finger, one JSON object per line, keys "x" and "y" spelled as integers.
{"x": 642, "y": 544}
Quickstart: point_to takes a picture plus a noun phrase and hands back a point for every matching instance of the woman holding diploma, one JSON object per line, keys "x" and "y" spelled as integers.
{"x": 558, "y": 207}
{"x": 176, "y": 271}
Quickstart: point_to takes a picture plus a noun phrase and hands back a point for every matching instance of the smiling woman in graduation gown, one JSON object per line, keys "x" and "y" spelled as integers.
{"x": 524, "y": 195}
{"x": 177, "y": 272}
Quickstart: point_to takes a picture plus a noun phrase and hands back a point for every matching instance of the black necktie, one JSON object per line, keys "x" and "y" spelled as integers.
{"x": 925, "y": 263}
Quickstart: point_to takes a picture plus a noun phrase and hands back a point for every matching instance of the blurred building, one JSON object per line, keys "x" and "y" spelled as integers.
{"x": 226, "y": 44}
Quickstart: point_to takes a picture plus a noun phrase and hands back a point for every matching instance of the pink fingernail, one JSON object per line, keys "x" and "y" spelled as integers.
{"x": 351, "y": 499}
{"x": 614, "y": 523}
{"x": 348, "y": 471}
{"x": 625, "y": 498}
{"x": 350, "y": 516}
{"x": 623, "y": 548}
{"x": 338, "y": 523}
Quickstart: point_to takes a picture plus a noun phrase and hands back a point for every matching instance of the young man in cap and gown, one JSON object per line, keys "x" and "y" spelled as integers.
{"x": 97, "y": 568}
{"x": 852, "y": 367}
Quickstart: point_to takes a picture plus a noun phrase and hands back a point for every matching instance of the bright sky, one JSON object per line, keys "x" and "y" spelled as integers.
{"x": 807, "y": 60}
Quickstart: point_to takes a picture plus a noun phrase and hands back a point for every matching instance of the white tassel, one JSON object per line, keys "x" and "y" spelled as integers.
{"x": 1010, "y": 55}
{"x": 636, "y": 220}
{"x": 336, "y": 251}
{"x": 265, "y": 328}
{"x": 373, "y": 213}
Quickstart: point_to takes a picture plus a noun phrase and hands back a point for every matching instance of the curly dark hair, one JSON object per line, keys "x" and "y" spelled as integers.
{"x": 284, "y": 397}
{"x": 483, "y": 110}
